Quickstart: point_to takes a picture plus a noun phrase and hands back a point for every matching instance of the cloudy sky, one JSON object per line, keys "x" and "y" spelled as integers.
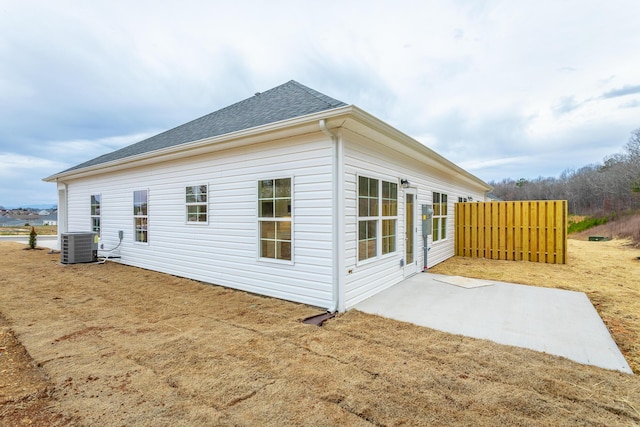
{"x": 506, "y": 89}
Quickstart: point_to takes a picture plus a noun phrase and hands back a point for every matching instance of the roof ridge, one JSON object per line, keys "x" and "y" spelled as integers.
{"x": 332, "y": 102}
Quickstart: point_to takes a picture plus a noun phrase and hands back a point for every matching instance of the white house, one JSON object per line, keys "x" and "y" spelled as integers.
{"x": 289, "y": 193}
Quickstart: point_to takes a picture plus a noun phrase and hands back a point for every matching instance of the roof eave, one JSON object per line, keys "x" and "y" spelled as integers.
{"x": 289, "y": 127}
{"x": 349, "y": 116}
{"x": 400, "y": 141}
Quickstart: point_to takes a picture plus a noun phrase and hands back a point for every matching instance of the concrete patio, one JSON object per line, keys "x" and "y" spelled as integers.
{"x": 554, "y": 321}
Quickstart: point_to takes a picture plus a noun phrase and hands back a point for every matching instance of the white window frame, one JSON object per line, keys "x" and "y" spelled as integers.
{"x": 439, "y": 218}
{"x": 93, "y": 215}
{"x": 277, "y": 219}
{"x": 200, "y": 203}
{"x": 378, "y": 218}
{"x": 139, "y": 215}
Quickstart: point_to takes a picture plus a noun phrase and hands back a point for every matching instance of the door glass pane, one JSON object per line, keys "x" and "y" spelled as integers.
{"x": 409, "y": 226}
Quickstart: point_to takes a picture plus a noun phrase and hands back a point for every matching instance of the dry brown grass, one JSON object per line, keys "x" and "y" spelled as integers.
{"x": 124, "y": 346}
{"x": 608, "y": 272}
{"x": 44, "y": 230}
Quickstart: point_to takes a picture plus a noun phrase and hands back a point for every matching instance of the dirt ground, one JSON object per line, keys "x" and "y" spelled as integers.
{"x": 116, "y": 345}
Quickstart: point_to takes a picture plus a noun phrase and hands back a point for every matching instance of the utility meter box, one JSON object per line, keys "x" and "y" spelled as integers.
{"x": 427, "y": 216}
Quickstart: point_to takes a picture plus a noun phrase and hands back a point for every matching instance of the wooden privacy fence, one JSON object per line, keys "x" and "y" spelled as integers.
{"x": 520, "y": 231}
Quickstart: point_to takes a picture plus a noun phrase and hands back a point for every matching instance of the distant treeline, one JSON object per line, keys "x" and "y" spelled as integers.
{"x": 597, "y": 189}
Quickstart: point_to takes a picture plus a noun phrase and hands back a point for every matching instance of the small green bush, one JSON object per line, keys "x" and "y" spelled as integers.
{"x": 585, "y": 224}
{"x": 33, "y": 239}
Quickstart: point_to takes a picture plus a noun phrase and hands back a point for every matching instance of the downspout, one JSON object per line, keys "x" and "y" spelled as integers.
{"x": 338, "y": 217}
{"x": 65, "y": 222}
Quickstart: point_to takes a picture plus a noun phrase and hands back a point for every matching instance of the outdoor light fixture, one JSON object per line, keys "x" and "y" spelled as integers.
{"x": 405, "y": 183}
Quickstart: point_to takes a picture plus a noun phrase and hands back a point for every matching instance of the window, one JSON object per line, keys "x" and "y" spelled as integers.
{"x": 274, "y": 218}
{"x": 140, "y": 215}
{"x": 389, "y": 214}
{"x": 95, "y": 213}
{"x": 196, "y": 204}
{"x": 439, "y": 216}
{"x": 377, "y": 216}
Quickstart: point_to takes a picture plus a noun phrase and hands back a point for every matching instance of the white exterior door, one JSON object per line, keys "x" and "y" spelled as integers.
{"x": 410, "y": 232}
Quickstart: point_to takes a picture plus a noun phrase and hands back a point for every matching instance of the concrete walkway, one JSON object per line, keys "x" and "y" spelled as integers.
{"x": 50, "y": 242}
{"x": 554, "y": 321}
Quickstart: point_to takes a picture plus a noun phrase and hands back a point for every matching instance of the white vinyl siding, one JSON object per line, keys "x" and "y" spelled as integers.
{"x": 226, "y": 251}
{"x": 365, "y": 157}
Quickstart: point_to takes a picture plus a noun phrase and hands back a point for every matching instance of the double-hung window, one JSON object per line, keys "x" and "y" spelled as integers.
{"x": 389, "y": 216}
{"x": 274, "y": 218}
{"x": 439, "y": 216}
{"x": 377, "y": 217}
{"x": 95, "y": 213}
{"x": 196, "y": 204}
{"x": 141, "y": 215}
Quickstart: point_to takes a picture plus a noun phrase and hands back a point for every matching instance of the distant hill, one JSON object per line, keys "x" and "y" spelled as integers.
{"x": 41, "y": 206}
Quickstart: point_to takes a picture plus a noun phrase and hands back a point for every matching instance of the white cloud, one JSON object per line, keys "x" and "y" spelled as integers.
{"x": 18, "y": 165}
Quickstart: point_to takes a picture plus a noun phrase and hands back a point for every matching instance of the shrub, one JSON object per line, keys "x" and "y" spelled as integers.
{"x": 33, "y": 239}
{"x": 586, "y": 223}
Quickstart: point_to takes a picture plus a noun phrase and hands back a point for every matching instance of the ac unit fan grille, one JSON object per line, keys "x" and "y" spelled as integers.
{"x": 78, "y": 247}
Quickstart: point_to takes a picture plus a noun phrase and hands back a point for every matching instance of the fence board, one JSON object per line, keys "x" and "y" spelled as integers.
{"x": 520, "y": 231}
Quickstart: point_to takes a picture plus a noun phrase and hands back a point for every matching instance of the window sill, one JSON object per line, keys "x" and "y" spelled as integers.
{"x": 276, "y": 261}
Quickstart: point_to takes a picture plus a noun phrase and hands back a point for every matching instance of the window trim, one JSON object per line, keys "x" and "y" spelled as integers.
{"x": 379, "y": 218}
{"x": 92, "y": 216}
{"x": 136, "y": 216}
{"x": 205, "y": 204}
{"x": 260, "y": 220}
{"x": 439, "y": 217}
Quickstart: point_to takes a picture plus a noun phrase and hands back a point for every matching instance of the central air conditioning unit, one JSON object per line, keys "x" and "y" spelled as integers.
{"x": 76, "y": 247}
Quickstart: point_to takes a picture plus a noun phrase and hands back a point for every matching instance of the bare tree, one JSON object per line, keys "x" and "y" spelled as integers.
{"x": 596, "y": 189}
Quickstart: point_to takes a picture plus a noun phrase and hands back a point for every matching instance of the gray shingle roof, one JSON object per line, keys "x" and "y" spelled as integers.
{"x": 280, "y": 103}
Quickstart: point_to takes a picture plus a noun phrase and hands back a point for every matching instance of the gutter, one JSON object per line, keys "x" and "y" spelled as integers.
{"x": 192, "y": 148}
{"x": 338, "y": 218}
